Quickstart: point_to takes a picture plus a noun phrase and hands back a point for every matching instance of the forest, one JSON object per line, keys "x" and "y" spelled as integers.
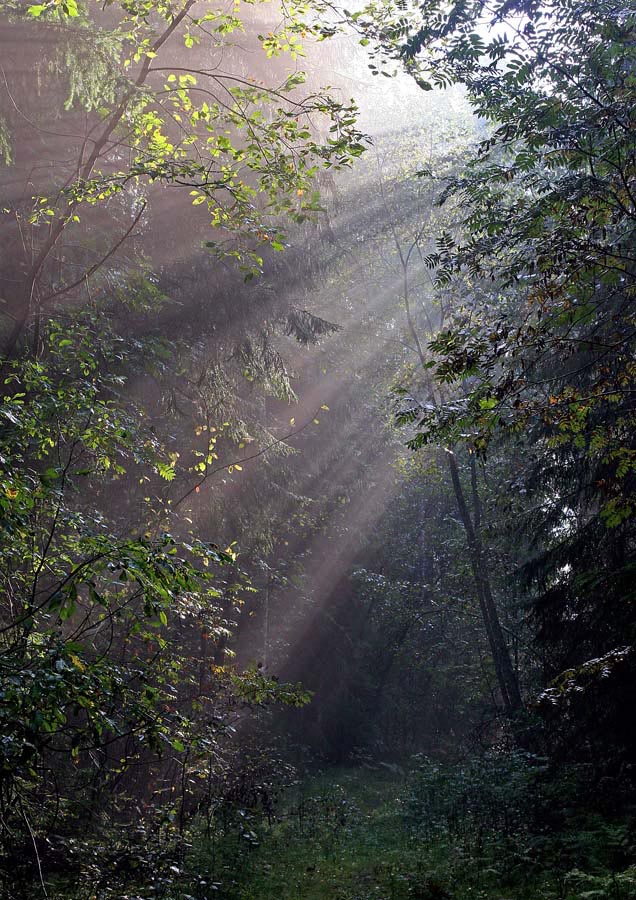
{"x": 318, "y": 450}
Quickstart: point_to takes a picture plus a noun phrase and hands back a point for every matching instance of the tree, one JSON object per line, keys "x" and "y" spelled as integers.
{"x": 112, "y": 594}
{"x": 246, "y": 151}
{"x": 506, "y": 676}
{"x": 549, "y": 200}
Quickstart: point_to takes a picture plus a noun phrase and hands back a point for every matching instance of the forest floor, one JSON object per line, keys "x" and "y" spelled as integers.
{"x": 357, "y": 834}
{"x": 498, "y": 827}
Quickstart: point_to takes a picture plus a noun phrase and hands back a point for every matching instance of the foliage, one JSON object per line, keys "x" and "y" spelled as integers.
{"x": 226, "y": 138}
{"x": 141, "y": 119}
{"x": 117, "y": 681}
{"x": 487, "y": 284}
{"x": 101, "y": 603}
{"x": 533, "y": 361}
{"x": 358, "y": 834}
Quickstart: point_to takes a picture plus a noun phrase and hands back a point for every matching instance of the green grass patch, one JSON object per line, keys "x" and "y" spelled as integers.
{"x": 348, "y": 835}
{"x": 485, "y": 829}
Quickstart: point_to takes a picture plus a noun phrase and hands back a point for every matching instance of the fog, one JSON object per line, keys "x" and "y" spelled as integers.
{"x": 306, "y": 462}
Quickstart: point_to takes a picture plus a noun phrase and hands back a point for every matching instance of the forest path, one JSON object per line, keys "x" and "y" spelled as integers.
{"x": 353, "y": 834}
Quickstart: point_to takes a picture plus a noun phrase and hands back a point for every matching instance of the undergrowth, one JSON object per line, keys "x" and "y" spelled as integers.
{"x": 490, "y": 829}
{"x": 499, "y": 827}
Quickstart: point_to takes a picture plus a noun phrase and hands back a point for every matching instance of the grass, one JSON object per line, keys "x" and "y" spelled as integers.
{"x": 346, "y": 835}
{"x": 476, "y": 831}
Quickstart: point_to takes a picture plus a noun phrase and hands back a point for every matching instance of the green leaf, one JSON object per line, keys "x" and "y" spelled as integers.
{"x": 166, "y": 470}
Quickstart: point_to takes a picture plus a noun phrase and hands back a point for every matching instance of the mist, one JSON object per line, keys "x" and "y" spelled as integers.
{"x": 315, "y": 331}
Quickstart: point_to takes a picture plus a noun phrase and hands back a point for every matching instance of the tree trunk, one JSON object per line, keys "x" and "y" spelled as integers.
{"x": 506, "y": 677}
